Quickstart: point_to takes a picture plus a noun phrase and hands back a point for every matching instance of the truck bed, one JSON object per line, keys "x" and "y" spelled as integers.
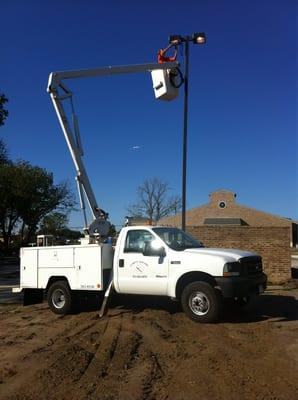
{"x": 81, "y": 265}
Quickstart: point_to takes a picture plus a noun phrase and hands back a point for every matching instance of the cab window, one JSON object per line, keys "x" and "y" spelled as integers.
{"x": 136, "y": 239}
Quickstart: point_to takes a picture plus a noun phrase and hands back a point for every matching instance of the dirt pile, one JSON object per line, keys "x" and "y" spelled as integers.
{"x": 150, "y": 350}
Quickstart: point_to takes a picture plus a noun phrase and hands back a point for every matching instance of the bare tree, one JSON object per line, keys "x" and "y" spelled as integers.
{"x": 153, "y": 201}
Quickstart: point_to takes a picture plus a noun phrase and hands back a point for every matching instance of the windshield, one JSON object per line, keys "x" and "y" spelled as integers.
{"x": 177, "y": 239}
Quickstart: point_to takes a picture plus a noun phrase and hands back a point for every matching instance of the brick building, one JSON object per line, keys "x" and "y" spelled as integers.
{"x": 225, "y": 223}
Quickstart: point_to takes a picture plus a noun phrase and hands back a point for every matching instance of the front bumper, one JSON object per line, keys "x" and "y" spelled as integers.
{"x": 239, "y": 286}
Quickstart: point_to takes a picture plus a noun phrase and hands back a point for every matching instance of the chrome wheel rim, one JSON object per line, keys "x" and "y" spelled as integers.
{"x": 58, "y": 298}
{"x": 199, "y": 303}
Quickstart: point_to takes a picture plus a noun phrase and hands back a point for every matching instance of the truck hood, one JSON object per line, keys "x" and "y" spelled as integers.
{"x": 228, "y": 254}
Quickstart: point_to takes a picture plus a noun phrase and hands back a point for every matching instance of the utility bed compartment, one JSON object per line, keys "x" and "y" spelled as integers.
{"x": 82, "y": 265}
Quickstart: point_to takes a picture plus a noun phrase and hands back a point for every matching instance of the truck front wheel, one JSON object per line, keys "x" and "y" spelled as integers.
{"x": 200, "y": 302}
{"x": 59, "y": 298}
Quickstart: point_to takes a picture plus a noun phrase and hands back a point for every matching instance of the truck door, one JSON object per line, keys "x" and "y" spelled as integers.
{"x": 139, "y": 274}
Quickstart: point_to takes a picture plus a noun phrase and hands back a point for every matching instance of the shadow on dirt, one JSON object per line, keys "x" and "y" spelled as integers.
{"x": 137, "y": 304}
{"x": 269, "y": 306}
{"x": 129, "y": 304}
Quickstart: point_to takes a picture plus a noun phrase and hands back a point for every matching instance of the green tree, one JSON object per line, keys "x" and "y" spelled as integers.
{"x": 3, "y": 111}
{"x": 153, "y": 201}
{"x": 53, "y": 223}
{"x": 4, "y": 159}
{"x": 3, "y": 115}
{"x": 9, "y": 214}
{"x": 40, "y": 196}
{"x": 28, "y": 194}
{"x": 69, "y": 234}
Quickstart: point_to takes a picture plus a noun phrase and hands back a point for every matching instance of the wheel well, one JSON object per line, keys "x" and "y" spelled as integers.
{"x": 55, "y": 279}
{"x": 193, "y": 276}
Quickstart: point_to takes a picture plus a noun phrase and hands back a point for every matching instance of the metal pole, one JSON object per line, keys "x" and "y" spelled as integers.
{"x": 185, "y": 117}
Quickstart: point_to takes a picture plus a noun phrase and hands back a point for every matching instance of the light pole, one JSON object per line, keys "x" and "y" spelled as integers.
{"x": 196, "y": 38}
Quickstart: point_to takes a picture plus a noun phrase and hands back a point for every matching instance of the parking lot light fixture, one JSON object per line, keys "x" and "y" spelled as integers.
{"x": 176, "y": 40}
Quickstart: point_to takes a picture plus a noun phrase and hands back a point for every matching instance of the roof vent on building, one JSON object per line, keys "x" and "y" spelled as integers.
{"x": 222, "y": 204}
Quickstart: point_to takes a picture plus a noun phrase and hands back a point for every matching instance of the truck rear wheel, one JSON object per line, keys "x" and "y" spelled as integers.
{"x": 200, "y": 302}
{"x": 59, "y": 298}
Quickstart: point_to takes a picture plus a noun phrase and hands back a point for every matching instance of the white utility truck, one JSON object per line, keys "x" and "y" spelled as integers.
{"x": 147, "y": 260}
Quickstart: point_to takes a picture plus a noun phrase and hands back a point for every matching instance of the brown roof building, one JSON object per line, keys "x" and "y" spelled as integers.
{"x": 224, "y": 210}
{"x": 225, "y": 223}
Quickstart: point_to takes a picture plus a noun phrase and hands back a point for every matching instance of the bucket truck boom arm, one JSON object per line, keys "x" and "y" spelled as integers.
{"x": 59, "y": 92}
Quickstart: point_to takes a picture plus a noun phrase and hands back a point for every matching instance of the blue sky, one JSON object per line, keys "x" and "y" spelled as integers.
{"x": 242, "y": 102}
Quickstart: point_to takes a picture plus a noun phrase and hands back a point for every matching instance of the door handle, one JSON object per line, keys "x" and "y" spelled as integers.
{"x": 121, "y": 263}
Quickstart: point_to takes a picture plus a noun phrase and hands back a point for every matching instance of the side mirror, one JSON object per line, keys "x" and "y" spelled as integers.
{"x": 151, "y": 249}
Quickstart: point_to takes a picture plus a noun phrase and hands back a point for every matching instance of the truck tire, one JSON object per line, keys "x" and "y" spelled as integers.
{"x": 60, "y": 298}
{"x": 200, "y": 302}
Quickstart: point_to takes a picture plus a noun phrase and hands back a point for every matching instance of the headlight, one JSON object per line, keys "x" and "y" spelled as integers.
{"x": 231, "y": 269}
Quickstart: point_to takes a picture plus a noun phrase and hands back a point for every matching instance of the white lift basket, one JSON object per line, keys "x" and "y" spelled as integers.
{"x": 162, "y": 85}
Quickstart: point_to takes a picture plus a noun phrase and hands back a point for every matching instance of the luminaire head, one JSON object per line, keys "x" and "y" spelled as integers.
{"x": 175, "y": 39}
{"x": 199, "y": 38}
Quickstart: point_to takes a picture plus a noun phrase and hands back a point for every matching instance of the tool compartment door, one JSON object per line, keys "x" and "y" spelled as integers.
{"x": 28, "y": 278}
{"x": 88, "y": 265}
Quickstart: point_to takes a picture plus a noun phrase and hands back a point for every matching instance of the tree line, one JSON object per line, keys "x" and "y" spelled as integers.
{"x": 29, "y": 198}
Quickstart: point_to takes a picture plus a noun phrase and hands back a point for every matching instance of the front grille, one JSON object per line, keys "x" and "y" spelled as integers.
{"x": 251, "y": 265}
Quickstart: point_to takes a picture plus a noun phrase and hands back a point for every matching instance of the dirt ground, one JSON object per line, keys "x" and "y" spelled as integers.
{"x": 148, "y": 349}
